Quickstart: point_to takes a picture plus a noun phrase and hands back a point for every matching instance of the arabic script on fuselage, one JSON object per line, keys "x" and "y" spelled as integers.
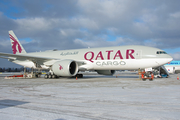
{"x": 69, "y": 53}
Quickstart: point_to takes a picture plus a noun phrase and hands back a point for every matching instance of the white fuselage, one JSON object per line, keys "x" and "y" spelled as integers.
{"x": 107, "y": 58}
{"x": 173, "y": 67}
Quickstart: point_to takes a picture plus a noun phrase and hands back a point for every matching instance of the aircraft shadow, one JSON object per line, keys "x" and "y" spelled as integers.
{"x": 10, "y": 103}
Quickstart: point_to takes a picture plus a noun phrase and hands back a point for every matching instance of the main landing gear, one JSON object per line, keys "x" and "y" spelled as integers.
{"x": 49, "y": 76}
{"x": 79, "y": 75}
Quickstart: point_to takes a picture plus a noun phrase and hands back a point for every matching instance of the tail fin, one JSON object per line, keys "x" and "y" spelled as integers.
{"x": 17, "y": 48}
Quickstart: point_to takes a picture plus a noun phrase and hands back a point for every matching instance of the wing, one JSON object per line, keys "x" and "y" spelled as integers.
{"x": 24, "y": 57}
{"x": 38, "y": 61}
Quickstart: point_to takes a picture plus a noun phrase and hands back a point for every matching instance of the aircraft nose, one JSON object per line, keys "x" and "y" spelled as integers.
{"x": 166, "y": 58}
{"x": 169, "y": 58}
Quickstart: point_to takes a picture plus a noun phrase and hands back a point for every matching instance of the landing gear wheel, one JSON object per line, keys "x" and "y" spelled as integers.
{"x": 49, "y": 76}
{"x": 54, "y": 76}
{"x": 46, "y": 76}
{"x": 150, "y": 79}
{"x": 79, "y": 76}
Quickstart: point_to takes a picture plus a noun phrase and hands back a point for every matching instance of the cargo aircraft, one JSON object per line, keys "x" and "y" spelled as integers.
{"x": 103, "y": 60}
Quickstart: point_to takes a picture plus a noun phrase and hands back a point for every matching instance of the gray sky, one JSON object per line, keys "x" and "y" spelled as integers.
{"x": 69, "y": 24}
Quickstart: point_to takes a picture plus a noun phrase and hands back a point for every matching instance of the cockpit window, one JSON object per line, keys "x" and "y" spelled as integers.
{"x": 161, "y": 52}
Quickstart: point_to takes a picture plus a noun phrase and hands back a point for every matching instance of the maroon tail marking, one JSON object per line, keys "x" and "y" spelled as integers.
{"x": 15, "y": 43}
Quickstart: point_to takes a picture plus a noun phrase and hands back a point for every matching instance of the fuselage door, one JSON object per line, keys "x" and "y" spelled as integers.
{"x": 138, "y": 54}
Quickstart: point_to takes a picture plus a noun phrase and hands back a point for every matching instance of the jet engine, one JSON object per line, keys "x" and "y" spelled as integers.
{"x": 105, "y": 72}
{"x": 65, "y": 68}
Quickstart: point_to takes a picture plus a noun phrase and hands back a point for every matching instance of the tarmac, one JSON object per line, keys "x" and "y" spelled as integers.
{"x": 94, "y": 97}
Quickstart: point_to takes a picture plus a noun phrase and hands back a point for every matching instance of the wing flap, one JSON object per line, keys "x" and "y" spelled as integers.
{"x": 12, "y": 58}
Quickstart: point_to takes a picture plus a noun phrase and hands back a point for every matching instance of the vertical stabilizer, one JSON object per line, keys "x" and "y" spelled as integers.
{"x": 17, "y": 48}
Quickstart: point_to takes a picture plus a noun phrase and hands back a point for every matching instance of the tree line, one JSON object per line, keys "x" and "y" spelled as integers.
{"x": 12, "y": 69}
{"x": 20, "y": 69}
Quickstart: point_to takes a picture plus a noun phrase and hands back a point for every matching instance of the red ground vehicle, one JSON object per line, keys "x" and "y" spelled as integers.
{"x": 146, "y": 75}
{"x": 16, "y": 76}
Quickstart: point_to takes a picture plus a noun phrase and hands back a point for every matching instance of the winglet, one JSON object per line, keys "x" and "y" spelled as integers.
{"x": 17, "y": 48}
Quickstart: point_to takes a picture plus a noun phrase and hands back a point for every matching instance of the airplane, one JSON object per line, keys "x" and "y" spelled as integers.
{"x": 103, "y": 60}
{"x": 173, "y": 67}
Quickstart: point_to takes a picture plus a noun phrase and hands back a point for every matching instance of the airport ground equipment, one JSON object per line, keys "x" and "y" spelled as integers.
{"x": 147, "y": 75}
{"x": 161, "y": 72}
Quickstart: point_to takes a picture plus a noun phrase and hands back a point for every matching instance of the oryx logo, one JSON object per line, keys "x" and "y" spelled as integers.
{"x": 60, "y": 67}
{"x": 14, "y": 44}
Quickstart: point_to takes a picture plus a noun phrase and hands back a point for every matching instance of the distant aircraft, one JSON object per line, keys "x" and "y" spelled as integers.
{"x": 173, "y": 67}
{"x": 104, "y": 60}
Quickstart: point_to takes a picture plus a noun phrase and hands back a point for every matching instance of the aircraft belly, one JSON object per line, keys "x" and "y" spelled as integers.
{"x": 28, "y": 64}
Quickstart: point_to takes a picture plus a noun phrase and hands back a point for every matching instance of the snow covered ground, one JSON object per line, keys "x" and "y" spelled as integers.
{"x": 92, "y": 97}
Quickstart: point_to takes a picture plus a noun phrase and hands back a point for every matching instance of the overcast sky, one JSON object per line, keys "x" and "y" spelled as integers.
{"x": 69, "y": 24}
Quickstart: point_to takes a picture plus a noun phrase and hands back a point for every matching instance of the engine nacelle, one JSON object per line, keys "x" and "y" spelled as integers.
{"x": 65, "y": 68}
{"x": 105, "y": 72}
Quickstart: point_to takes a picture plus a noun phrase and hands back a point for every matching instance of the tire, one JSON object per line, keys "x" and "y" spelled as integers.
{"x": 53, "y": 76}
{"x": 36, "y": 76}
{"x": 150, "y": 80}
{"x": 49, "y": 76}
{"x": 81, "y": 75}
{"x": 46, "y": 76}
